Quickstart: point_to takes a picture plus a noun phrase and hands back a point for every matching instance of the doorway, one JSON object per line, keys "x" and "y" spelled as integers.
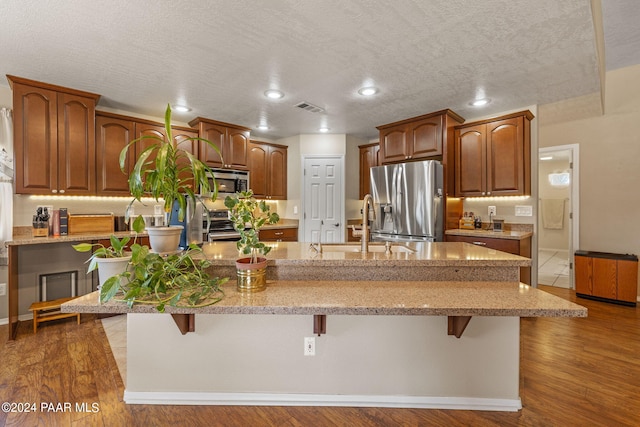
{"x": 558, "y": 182}
{"x": 322, "y": 199}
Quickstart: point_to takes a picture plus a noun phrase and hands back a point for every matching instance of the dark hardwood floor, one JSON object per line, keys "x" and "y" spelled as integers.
{"x": 575, "y": 372}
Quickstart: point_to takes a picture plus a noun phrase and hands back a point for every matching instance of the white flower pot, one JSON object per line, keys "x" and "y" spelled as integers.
{"x": 164, "y": 240}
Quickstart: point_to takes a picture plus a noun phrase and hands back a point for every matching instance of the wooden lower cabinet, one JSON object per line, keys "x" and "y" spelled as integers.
{"x": 607, "y": 276}
{"x": 520, "y": 247}
{"x": 279, "y": 235}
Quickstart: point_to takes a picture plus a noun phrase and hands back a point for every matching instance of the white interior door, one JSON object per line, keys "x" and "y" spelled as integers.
{"x": 323, "y": 200}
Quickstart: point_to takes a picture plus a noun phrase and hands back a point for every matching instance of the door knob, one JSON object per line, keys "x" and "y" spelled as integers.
{"x": 337, "y": 224}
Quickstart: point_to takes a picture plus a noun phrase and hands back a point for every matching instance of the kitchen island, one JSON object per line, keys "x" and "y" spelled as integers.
{"x": 378, "y": 342}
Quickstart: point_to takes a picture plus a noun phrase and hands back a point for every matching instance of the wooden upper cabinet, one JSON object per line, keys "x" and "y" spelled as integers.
{"x": 471, "y": 161}
{"x": 231, "y": 140}
{"x": 112, "y": 135}
{"x": 114, "y": 132}
{"x": 507, "y": 163}
{"x": 368, "y": 159}
{"x": 393, "y": 145}
{"x": 54, "y": 138}
{"x": 415, "y": 139}
{"x": 425, "y": 138}
{"x": 493, "y": 157}
{"x": 268, "y": 170}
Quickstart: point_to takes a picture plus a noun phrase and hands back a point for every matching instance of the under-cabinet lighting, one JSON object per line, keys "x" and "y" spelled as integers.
{"x": 490, "y": 198}
{"x": 546, "y": 158}
{"x": 91, "y": 198}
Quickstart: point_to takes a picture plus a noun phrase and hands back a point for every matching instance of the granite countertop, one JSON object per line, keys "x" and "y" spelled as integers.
{"x": 508, "y": 234}
{"x": 421, "y": 254}
{"x": 283, "y": 223}
{"x": 27, "y": 239}
{"x": 367, "y": 298}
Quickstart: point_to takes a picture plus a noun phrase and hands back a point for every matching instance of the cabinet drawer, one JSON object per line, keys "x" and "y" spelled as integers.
{"x": 505, "y": 245}
{"x": 279, "y": 235}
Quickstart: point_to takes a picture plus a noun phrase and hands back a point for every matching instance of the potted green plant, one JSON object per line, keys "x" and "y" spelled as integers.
{"x": 165, "y": 171}
{"x": 249, "y": 215}
{"x": 113, "y": 259}
{"x": 178, "y": 280}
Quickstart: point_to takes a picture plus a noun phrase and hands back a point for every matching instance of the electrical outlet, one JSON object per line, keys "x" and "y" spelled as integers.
{"x": 492, "y": 211}
{"x": 3, "y": 289}
{"x": 309, "y": 346}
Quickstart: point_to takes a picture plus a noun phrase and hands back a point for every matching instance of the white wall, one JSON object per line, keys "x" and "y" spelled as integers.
{"x": 609, "y": 153}
{"x": 406, "y": 359}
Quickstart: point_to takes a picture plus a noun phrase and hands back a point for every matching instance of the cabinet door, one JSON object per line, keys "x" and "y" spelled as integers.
{"x": 216, "y": 134}
{"x": 76, "y": 145}
{"x": 368, "y": 159}
{"x": 605, "y": 281}
{"x": 393, "y": 145}
{"x": 112, "y": 135}
{"x": 471, "y": 161}
{"x": 505, "y": 161}
{"x": 584, "y": 275}
{"x": 235, "y": 151}
{"x": 627, "y": 280}
{"x": 258, "y": 167}
{"x": 35, "y": 140}
{"x": 146, "y": 131}
{"x": 183, "y": 142}
{"x": 425, "y": 138}
{"x": 277, "y": 167}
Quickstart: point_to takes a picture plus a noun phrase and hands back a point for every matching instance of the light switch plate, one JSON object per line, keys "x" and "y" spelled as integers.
{"x": 524, "y": 210}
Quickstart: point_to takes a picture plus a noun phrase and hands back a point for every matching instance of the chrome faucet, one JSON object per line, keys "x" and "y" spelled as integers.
{"x": 364, "y": 240}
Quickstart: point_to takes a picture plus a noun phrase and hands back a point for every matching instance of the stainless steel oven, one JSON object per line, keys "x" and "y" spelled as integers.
{"x": 220, "y": 227}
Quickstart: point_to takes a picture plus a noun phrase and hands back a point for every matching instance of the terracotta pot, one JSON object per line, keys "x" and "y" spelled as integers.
{"x": 164, "y": 240}
{"x": 252, "y": 277}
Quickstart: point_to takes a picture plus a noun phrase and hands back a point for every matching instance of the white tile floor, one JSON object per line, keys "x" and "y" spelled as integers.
{"x": 116, "y": 329}
{"x": 553, "y": 268}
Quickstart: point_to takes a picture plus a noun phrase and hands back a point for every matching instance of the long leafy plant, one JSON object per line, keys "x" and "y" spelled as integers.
{"x": 177, "y": 280}
{"x": 165, "y": 171}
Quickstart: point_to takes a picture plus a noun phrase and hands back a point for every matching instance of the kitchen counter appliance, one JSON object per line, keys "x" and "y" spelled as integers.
{"x": 407, "y": 198}
{"x": 219, "y": 227}
{"x": 229, "y": 182}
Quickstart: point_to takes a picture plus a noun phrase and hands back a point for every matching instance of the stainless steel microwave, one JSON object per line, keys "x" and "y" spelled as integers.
{"x": 229, "y": 181}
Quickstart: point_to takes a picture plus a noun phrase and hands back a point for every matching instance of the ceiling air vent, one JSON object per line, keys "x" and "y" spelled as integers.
{"x": 310, "y": 107}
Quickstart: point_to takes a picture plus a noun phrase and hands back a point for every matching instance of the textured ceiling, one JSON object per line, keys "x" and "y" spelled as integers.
{"x": 220, "y": 56}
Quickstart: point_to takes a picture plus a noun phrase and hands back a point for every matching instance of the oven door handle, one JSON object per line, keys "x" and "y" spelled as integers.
{"x": 223, "y": 236}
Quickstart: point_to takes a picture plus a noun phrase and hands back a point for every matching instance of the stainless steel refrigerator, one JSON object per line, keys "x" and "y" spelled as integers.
{"x": 408, "y": 202}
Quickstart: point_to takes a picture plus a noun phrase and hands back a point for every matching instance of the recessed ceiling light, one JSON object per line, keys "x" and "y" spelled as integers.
{"x": 480, "y": 102}
{"x": 263, "y": 127}
{"x": 368, "y": 91}
{"x": 274, "y": 94}
{"x": 181, "y": 108}
{"x": 324, "y": 129}
{"x": 546, "y": 158}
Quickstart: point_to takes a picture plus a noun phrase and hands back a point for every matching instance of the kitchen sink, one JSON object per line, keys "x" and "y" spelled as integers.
{"x": 342, "y": 247}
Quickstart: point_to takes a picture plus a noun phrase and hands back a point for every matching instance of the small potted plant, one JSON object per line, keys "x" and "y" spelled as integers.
{"x": 165, "y": 171}
{"x": 249, "y": 215}
{"x": 113, "y": 259}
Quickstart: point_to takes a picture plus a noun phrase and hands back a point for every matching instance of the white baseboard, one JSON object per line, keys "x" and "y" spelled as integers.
{"x": 263, "y": 399}
{"x": 5, "y": 321}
